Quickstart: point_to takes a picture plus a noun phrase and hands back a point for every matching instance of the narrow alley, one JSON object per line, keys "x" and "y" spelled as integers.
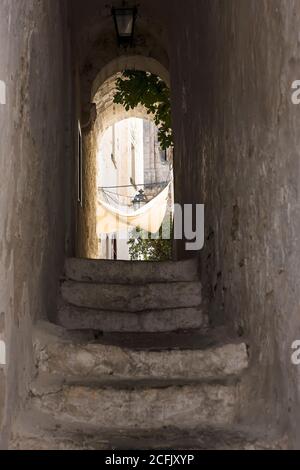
{"x": 113, "y": 116}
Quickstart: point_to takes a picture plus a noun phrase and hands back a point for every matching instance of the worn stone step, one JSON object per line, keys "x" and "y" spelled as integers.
{"x": 199, "y": 441}
{"x": 39, "y": 432}
{"x": 78, "y": 318}
{"x": 130, "y": 272}
{"x": 176, "y": 340}
{"x": 69, "y": 357}
{"x": 90, "y": 442}
{"x": 132, "y": 298}
{"x": 137, "y": 406}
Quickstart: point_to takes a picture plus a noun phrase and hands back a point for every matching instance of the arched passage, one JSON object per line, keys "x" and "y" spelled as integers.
{"x": 105, "y": 58}
{"x": 107, "y": 114}
{"x": 132, "y": 62}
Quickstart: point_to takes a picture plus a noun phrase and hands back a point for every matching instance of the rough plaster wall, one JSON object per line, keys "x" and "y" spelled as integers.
{"x": 32, "y": 162}
{"x": 238, "y": 151}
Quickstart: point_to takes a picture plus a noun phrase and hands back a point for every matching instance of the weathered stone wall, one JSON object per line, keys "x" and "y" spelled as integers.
{"x": 35, "y": 65}
{"x": 238, "y": 151}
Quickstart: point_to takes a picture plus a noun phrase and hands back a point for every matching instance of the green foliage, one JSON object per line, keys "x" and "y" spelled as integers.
{"x": 136, "y": 88}
{"x": 143, "y": 248}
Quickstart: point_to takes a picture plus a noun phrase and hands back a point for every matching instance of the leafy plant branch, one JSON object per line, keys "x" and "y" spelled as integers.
{"x": 136, "y": 88}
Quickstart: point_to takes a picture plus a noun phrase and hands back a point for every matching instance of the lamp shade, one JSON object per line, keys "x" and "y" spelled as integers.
{"x": 124, "y": 19}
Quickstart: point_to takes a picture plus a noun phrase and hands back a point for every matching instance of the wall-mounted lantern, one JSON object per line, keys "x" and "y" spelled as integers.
{"x": 125, "y": 19}
{"x": 140, "y": 200}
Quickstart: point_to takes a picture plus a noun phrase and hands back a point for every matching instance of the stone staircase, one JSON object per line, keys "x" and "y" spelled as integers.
{"x": 120, "y": 296}
{"x": 133, "y": 364}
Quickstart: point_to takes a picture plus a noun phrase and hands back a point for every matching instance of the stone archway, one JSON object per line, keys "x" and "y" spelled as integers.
{"x": 132, "y": 62}
{"x": 99, "y": 60}
{"x": 107, "y": 113}
{"x": 105, "y": 59}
